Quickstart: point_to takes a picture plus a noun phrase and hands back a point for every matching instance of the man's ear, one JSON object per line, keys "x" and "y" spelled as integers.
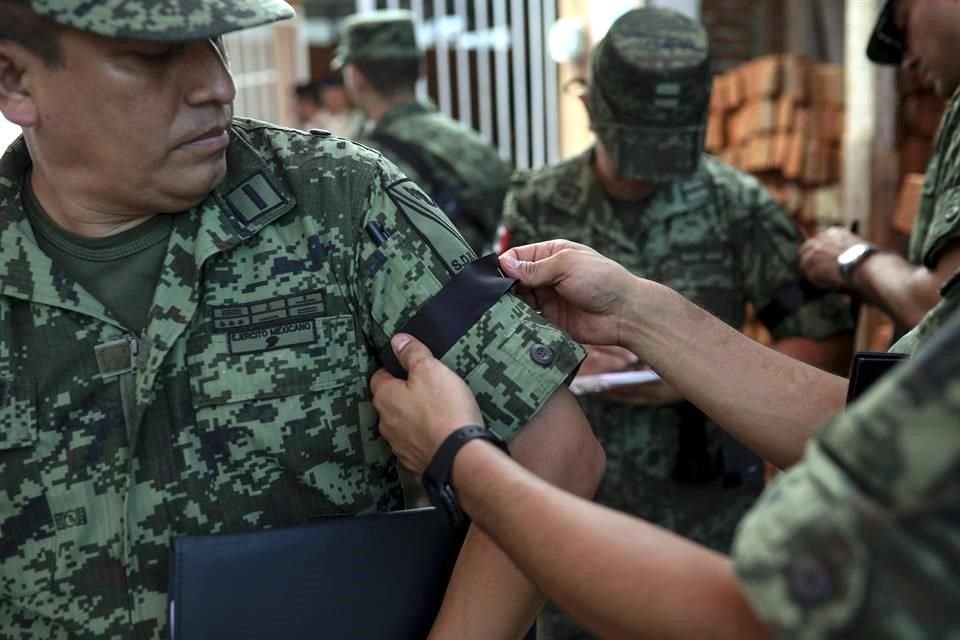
{"x": 586, "y": 105}
{"x": 16, "y": 101}
{"x": 359, "y": 81}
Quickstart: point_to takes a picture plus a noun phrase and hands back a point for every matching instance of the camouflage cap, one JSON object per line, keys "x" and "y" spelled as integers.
{"x": 175, "y": 20}
{"x": 376, "y": 35}
{"x": 649, "y": 93}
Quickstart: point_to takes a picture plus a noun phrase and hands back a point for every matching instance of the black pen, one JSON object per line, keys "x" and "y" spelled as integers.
{"x": 377, "y": 233}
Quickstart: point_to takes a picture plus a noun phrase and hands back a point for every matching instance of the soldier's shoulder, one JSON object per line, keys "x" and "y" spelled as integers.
{"x": 728, "y": 178}
{"x": 315, "y": 149}
{"x": 722, "y": 171}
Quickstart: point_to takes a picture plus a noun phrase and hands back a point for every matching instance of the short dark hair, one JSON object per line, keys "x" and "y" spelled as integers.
{"x": 40, "y": 35}
{"x": 390, "y": 77}
{"x": 307, "y": 91}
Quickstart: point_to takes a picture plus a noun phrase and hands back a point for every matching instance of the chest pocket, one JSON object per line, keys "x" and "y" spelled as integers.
{"x": 277, "y": 411}
{"x": 271, "y": 362}
{"x": 696, "y": 257}
{"x": 27, "y": 531}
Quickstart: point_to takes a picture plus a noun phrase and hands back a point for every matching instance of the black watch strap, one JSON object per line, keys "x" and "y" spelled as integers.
{"x": 436, "y": 477}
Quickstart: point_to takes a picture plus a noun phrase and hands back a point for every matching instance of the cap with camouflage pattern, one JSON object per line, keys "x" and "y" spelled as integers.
{"x": 376, "y": 35}
{"x": 160, "y": 20}
{"x": 649, "y": 94}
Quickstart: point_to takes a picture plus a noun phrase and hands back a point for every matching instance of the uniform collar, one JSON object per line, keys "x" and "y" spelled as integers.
{"x": 412, "y": 108}
{"x": 26, "y": 272}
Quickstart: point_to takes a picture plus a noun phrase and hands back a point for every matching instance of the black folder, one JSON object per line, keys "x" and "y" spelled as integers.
{"x": 867, "y": 368}
{"x": 380, "y": 576}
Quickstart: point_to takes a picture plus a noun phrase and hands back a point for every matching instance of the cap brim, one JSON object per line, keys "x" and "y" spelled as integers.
{"x": 887, "y": 41}
{"x": 172, "y": 20}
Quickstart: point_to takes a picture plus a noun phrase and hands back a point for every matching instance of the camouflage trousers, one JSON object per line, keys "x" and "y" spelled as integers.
{"x": 707, "y": 514}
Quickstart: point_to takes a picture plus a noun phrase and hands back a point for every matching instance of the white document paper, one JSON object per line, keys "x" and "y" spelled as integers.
{"x": 603, "y": 381}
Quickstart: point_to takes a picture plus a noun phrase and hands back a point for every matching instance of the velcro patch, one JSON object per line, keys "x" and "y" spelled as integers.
{"x": 271, "y": 310}
{"x": 254, "y": 198}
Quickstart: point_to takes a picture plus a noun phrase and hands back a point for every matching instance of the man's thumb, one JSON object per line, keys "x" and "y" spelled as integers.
{"x": 530, "y": 274}
{"x": 409, "y": 350}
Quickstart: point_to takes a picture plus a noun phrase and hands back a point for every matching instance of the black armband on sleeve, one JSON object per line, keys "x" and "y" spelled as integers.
{"x": 449, "y": 314}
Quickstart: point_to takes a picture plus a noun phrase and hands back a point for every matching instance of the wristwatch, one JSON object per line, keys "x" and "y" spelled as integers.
{"x": 436, "y": 477}
{"x": 852, "y": 257}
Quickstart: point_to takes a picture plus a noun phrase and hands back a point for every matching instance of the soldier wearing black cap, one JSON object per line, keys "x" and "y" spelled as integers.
{"x": 920, "y": 36}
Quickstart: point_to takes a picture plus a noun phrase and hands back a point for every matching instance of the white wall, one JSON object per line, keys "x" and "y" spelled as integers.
{"x": 8, "y": 132}
{"x": 687, "y": 7}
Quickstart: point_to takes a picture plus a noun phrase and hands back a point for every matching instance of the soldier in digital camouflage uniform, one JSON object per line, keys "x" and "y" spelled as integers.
{"x": 647, "y": 197}
{"x": 206, "y": 370}
{"x": 907, "y": 289}
{"x": 918, "y": 35}
{"x": 381, "y": 63}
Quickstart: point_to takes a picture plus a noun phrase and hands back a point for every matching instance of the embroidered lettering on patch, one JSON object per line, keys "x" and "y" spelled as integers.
{"x": 269, "y": 338}
{"x": 71, "y": 518}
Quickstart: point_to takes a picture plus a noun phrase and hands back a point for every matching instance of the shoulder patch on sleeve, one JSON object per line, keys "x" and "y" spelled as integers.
{"x": 433, "y": 226}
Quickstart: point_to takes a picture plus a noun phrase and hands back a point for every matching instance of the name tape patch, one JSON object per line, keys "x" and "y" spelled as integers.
{"x": 268, "y": 338}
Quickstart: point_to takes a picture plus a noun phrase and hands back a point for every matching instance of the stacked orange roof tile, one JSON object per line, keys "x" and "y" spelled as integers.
{"x": 780, "y": 117}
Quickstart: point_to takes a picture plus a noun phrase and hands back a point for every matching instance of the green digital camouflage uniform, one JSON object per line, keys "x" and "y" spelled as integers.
{"x": 937, "y": 224}
{"x": 719, "y": 239}
{"x": 451, "y": 161}
{"x": 708, "y": 231}
{"x": 860, "y": 539}
{"x": 244, "y": 404}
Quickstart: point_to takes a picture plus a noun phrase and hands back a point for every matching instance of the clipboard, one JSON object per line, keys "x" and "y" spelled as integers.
{"x": 380, "y": 575}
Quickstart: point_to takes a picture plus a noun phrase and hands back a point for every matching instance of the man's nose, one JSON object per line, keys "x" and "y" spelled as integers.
{"x": 208, "y": 76}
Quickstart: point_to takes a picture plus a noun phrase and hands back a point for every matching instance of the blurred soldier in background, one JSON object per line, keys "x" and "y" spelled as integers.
{"x": 381, "y": 64}
{"x": 325, "y": 105}
{"x": 921, "y": 35}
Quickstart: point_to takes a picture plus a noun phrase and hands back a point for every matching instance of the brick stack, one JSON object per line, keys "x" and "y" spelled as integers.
{"x": 780, "y": 118}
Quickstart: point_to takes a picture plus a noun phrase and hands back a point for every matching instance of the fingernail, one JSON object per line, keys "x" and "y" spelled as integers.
{"x": 511, "y": 263}
{"x": 399, "y": 341}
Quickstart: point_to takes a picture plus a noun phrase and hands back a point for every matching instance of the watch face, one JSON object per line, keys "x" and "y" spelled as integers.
{"x": 850, "y": 258}
{"x": 852, "y": 254}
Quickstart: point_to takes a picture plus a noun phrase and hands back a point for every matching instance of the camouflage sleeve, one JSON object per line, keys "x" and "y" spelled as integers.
{"x": 519, "y": 224}
{"x": 859, "y": 540}
{"x": 511, "y": 358}
{"x": 767, "y": 250}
